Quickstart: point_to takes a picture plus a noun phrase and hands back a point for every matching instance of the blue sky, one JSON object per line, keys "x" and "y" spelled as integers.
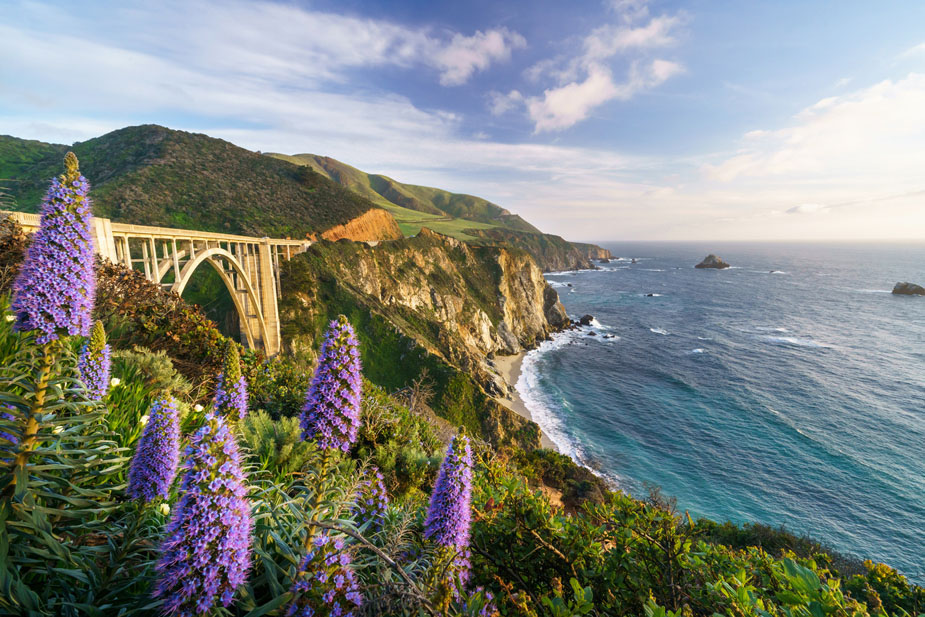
{"x": 596, "y": 120}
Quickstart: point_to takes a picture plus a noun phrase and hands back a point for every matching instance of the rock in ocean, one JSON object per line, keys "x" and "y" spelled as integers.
{"x": 712, "y": 261}
{"x": 908, "y": 289}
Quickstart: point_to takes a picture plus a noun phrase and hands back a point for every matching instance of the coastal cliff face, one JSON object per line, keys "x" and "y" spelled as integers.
{"x": 428, "y": 305}
{"x": 372, "y": 225}
{"x": 592, "y": 251}
{"x": 551, "y": 253}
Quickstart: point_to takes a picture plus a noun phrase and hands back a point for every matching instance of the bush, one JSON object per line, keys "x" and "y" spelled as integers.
{"x": 276, "y": 445}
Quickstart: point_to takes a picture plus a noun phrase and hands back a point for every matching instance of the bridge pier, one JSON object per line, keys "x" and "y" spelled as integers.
{"x": 248, "y": 266}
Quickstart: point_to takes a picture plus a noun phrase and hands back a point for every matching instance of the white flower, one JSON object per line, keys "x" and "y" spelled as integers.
{"x": 164, "y": 508}
{"x": 115, "y": 381}
{"x": 197, "y": 407}
{"x": 11, "y": 317}
{"x": 143, "y": 420}
{"x": 57, "y": 430}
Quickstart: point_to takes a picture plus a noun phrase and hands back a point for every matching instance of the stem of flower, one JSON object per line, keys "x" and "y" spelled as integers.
{"x": 49, "y": 352}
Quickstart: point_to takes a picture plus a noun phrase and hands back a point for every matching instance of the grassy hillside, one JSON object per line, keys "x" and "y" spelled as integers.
{"x": 416, "y": 206}
{"x": 153, "y": 175}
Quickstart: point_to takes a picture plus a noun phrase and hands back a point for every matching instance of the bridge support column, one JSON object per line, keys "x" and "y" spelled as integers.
{"x": 266, "y": 283}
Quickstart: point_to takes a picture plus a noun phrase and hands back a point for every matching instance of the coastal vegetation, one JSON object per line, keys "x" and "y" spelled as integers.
{"x": 334, "y": 480}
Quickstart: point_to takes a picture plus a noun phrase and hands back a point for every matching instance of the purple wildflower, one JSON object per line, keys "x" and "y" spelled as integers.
{"x": 207, "y": 552}
{"x": 93, "y": 363}
{"x": 449, "y": 514}
{"x": 331, "y": 415}
{"x": 154, "y": 465}
{"x": 325, "y": 584}
{"x": 231, "y": 389}
{"x": 55, "y": 289}
{"x": 372, "y": 500}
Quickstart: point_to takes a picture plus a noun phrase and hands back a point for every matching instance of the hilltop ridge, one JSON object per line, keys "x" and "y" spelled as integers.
{"x": 153, "y": 175}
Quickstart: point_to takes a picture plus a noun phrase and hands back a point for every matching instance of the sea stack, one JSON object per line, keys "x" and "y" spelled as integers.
{"x": 712, "y": 261}
{"x": 908, "y": 289}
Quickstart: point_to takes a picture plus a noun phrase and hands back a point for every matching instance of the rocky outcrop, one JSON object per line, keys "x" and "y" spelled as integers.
{"x": 593, "y": 251}
{"x": 371, "y": 226}
{"x": 551, "y": 253}
{"x": 908, "y": 289}
{"x": 429, "y": 303}
{"x": 712, "y": 261}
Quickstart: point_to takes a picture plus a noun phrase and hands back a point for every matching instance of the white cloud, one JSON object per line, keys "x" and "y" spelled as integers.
{"x": 562, "y": 107}
{"x": 808, "y": 209}
{"x": 875, "y": 132}
{"x": 280, "y": 41}
{"x": 915, "y": 50}
{"x": 586, "y": 81}
{"x": 500, "y": 103}
{"x": 467, "y": 54}
{"x": 629, "y": 10}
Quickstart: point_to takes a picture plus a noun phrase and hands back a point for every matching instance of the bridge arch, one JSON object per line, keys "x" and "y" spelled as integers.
{"x": 215, "y": 257}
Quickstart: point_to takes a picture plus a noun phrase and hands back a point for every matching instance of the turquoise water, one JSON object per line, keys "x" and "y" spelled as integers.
{"x": 792, "y": 398}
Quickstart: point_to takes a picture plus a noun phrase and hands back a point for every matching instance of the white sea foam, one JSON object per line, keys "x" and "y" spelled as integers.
{"x": 795, "y": 341}
{"x": 541, "y": 409}
{"x": 873, "y": 291}
{"x": 661, "y": 331}
{"x": 770, "y": 329}
{"x": 696, "y": 351}
{"x": 651, "y": 269}
{"x": 545, "y": 411}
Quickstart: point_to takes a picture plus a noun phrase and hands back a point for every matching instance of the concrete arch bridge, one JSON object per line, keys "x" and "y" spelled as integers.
{"x": 248, "y": 266}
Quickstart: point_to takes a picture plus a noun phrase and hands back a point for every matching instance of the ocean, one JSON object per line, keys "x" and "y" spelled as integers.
{"x": 787, "y": 390}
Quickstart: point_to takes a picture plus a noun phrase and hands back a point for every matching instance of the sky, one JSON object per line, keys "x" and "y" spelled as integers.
{"x": 595, "y": 120}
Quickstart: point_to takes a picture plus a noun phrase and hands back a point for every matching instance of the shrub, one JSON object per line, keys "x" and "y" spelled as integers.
{"x": 276, "y": 445}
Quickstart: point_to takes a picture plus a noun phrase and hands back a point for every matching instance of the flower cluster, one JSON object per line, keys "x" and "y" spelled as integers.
{"x": 325, "y": 584}
{"x": 449, "y": 515}
{"x": 93, "y": 363}
{"x": 154, "y": 465}
{"x": 331, "y": 414}
{"x": 55, "y": 288}
{"x": 372, "y": 500}
{"x": 231, "y": 389}
{"x": 207, "y": 552}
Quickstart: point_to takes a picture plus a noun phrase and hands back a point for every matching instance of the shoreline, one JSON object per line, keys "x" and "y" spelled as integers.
{"x": 509, "y": 367}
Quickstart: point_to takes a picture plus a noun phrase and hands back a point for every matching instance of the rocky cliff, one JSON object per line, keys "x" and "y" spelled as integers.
{"x": 372, "y": 225}
{"x": 592, "y": 251}
{"x": 429, "y": 305}
{"x": 551, "y": 253}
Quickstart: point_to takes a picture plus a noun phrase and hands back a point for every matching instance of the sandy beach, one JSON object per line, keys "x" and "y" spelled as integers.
{"x": 509, "y": 368}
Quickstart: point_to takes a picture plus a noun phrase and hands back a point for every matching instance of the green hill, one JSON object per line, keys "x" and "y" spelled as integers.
{"x": 416, "y": 206}
{"x": 157, "y": 176}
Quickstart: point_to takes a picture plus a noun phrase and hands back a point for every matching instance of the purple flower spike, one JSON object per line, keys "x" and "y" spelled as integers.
{"x": 331, "y": 415}
{"x": 154, "y": 465}
{"x": 231, "y": 389}
{"x": 325, "y": 584}
{"x": 372, "y": 500}
{"x": 450, "y": 515}
{"x": 93, "y": 363}
{"x": 207, "y": 552}
{"x": 55, "y": 288}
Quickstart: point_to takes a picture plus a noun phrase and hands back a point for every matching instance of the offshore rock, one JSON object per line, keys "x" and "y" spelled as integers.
{"x": 712, "y": 261}
{"x": 908, "y": 289}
